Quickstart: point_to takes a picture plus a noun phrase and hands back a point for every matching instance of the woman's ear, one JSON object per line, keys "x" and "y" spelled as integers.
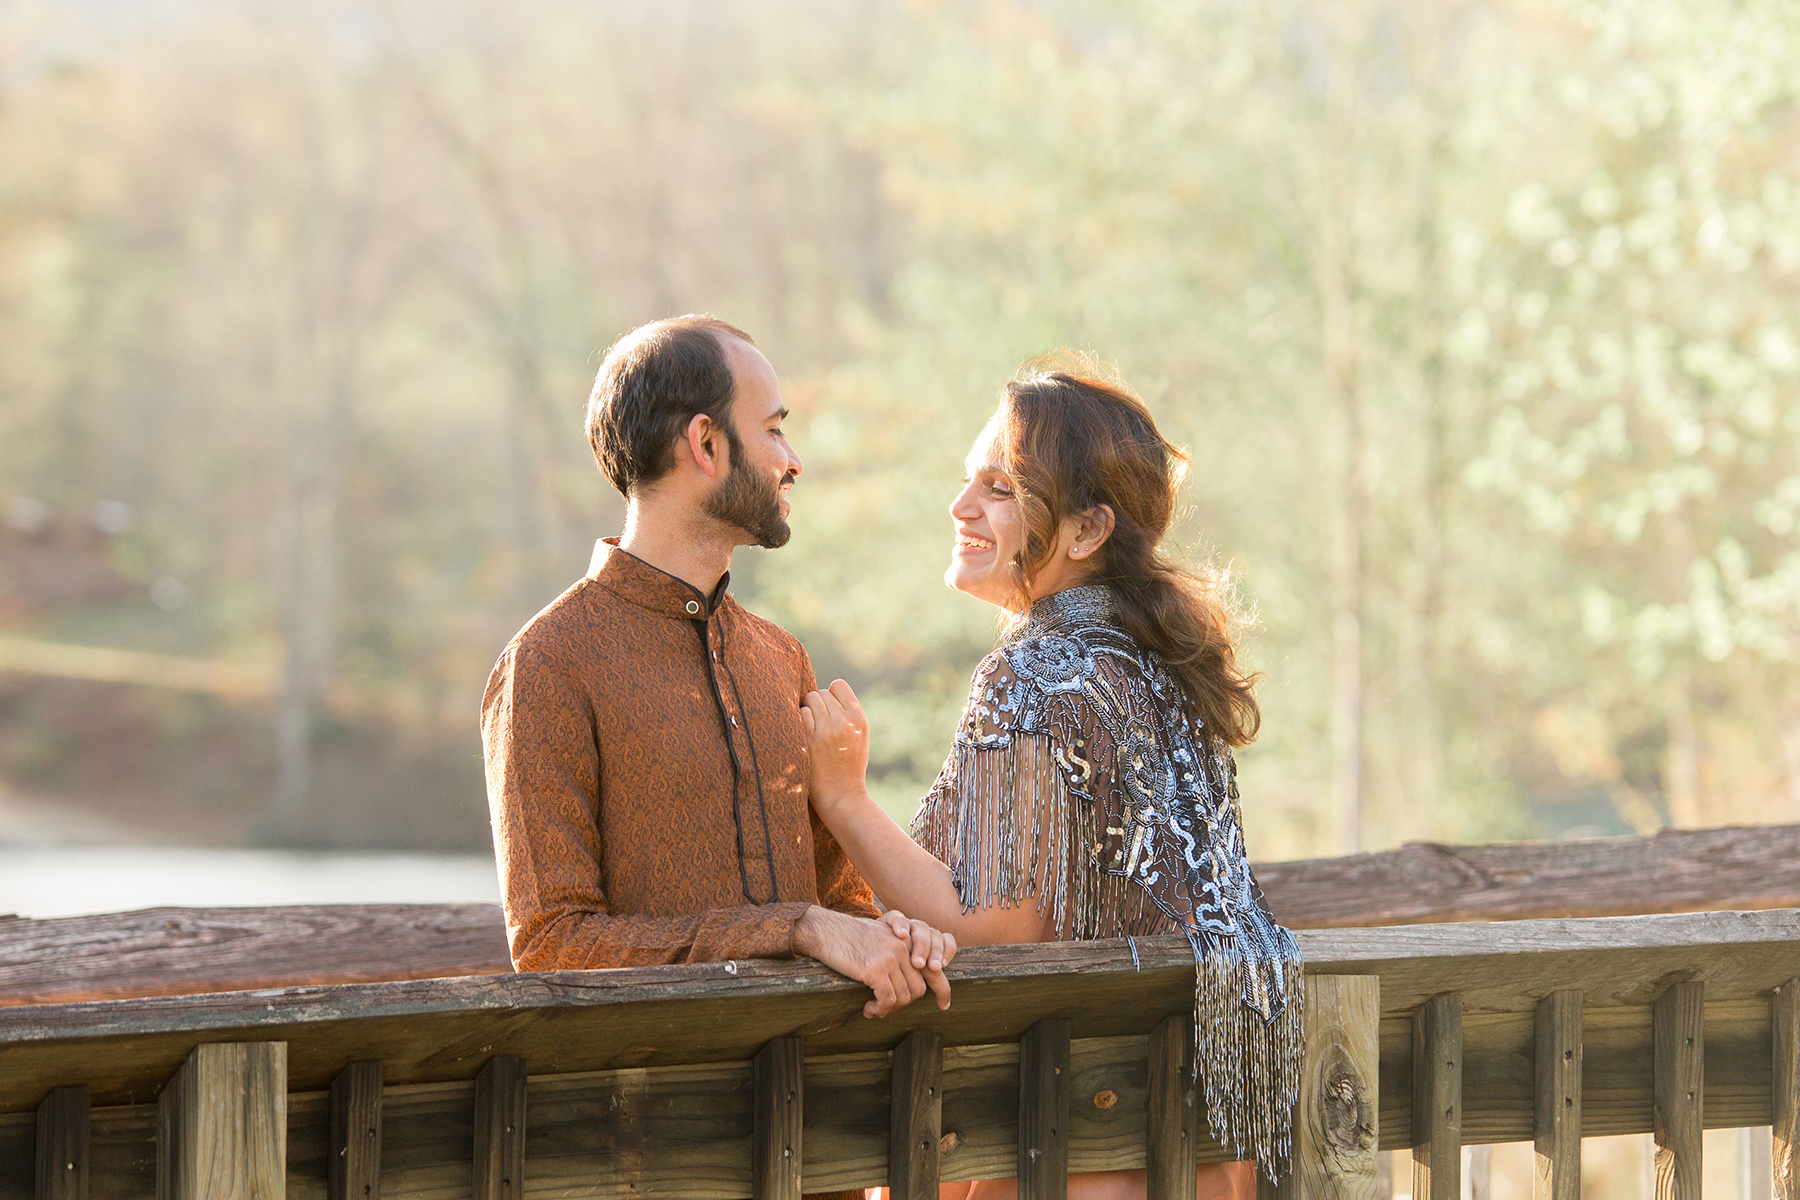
{"x": 1092, "y": 528}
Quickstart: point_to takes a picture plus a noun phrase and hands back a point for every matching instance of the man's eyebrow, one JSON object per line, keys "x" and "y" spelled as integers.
{"x": 780, "y": 414}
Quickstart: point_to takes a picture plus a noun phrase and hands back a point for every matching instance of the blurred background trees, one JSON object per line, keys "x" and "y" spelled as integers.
{"x": 1478, "y": 319}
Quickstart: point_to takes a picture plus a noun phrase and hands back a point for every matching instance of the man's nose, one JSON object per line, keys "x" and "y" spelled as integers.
{"x": 795, "y": 466}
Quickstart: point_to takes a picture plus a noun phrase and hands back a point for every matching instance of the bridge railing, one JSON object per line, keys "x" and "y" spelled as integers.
{"x": 763, "y": 1079}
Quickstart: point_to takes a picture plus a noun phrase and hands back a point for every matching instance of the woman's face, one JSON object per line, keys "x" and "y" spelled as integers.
{"x": 990, "y": 529}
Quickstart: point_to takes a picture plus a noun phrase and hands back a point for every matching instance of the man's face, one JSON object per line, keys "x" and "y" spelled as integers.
{"x": 753, "y": 494}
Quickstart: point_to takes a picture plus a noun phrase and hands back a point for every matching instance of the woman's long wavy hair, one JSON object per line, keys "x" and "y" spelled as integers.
{"x": 1073, "y": 436}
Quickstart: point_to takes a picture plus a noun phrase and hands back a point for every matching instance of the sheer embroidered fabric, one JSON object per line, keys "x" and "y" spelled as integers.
{"x": 1080, "y": 778}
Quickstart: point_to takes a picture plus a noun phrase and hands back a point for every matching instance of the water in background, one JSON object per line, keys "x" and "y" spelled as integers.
{"x": 63, "y": 881}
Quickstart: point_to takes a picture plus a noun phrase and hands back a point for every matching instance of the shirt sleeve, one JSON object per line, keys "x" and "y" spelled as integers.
{"x": 543, "y": 773}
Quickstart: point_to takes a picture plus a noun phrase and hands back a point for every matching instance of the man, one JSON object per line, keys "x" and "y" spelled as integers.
{"x": 646, "y": 764}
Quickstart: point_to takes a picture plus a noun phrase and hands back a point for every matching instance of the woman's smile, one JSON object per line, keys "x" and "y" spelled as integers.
{"x": 968, "y": 545}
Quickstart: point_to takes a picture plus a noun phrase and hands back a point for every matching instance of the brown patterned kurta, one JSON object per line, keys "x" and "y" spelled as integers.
{"x": 647, "y": 776}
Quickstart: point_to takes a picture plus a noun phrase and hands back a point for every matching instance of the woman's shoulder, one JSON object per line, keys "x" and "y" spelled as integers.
{"x": 1016, "y": 685}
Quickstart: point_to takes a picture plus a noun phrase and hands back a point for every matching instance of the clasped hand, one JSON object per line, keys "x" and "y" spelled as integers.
{"x": 896, "y": 957}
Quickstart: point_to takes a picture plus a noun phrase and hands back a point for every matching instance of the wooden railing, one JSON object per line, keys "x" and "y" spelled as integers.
{"x": 763, "y": 1079}
{"x": 166, "y": 952}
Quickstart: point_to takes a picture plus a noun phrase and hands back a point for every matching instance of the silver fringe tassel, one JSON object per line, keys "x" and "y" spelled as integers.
{"x": 1003, "y": 819}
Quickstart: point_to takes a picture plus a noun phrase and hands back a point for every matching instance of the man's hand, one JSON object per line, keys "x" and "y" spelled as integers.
{"x": 879, "y": 954}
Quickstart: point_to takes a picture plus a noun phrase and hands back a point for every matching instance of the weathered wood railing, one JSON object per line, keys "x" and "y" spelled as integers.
{"x": 758, "y": 1078}
{"x": 180, "y": 951}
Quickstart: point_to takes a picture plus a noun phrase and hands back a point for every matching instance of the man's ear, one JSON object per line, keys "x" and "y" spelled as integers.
{"x": 706, "y": 441}
{"x": 1092, "y": 528}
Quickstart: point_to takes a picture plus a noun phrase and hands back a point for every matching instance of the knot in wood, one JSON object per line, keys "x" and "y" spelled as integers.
{"x": 948, "y": 1143}
{"x": 1105, "y": 1098}
{"x": 1344, "y": 1110}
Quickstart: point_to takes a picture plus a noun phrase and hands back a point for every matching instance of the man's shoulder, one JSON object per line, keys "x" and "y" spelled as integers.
{"x": 566, "y": 621}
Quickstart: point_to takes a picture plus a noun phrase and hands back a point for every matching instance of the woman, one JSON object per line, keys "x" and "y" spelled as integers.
{"x": 1091, "y": 790}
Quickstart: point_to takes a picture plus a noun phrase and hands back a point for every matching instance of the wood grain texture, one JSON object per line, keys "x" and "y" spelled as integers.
{"x": 1337, "y": 1121}
{"x": 916, "y": 1113}
{"x": 499, "y": 1131}
{"x": 1044, "y": 1111}
{"x": 1172, "y": 1112}
{"x": 185, "y": 951}
{"x": 62, "y": 1144}
{"x": 1675, "y": 870}
{"x": 1784, "y": 1042}
{"x": 776, "y": 1146}
{"x": 222, "y": 1125}
{"x": 1679, "y": 1031}
{"x": 685, "y": 1130}
{"x": 354, "y": 1154}
{"x": 1437, "y": 1041}
{"x": 443, "y": 1030}
{"x": 1556, "y": 1124}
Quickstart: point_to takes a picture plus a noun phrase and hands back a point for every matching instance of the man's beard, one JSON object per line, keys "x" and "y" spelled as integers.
{"x": 749, "y": 501}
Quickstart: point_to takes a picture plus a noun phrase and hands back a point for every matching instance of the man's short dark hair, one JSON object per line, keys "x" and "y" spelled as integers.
{"x": 652, "y": 382}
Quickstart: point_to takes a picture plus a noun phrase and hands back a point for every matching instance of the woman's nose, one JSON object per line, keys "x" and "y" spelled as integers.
{"x": 963, "y": 506}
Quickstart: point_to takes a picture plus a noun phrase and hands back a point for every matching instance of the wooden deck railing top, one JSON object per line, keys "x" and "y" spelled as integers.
{"x": 161, "y": 952}
{"x": 684, "y": 1080}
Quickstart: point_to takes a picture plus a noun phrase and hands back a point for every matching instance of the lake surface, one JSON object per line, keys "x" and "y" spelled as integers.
{"x": 64, "y": 881}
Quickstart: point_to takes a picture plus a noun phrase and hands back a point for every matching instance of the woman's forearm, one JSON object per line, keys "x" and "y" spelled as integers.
{"x": 905, "y": 876}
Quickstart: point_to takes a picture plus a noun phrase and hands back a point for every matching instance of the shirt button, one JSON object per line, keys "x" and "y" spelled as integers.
{"x": 693, "y": 607}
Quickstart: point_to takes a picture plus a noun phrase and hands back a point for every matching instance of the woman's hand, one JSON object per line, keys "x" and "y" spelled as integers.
{"x": 837, "y": 734}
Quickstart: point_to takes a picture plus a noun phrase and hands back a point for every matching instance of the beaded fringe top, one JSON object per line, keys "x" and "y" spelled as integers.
{"x": 1079, "y": 776}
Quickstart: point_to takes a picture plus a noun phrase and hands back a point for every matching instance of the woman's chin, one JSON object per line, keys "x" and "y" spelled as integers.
{"x": 980, "y": 585}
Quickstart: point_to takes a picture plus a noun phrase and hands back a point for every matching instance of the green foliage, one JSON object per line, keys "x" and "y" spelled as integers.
{"x": 1478, "y": 322}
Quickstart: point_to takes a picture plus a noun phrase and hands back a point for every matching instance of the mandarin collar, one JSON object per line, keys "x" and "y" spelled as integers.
{"x": 1089, "y": 604}
{"x": 631, "y": 578}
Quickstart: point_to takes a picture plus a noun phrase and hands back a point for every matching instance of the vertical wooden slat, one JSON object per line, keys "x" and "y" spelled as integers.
{"x": 775, "y": 1138}
{"x": 1556, "y": 1125}
{"x": 62, "y": 1144}
{"x": 1785, "y": 1157}
{"x": 1678, "y": 1024}
{"x": 500, "y": 1130}
{"x": 1172, "y": 1118}
{"x": 1337, "y": 1126}
{"x": 221, "y": 1124}
{"x": 355, "y": 1149}
{"x": 915, "y": 1121}
{"x": 1044, "y": 1111}
{"x": 1437, "y": 1099}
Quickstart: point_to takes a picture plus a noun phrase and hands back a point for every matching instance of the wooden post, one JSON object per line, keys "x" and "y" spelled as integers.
{"x": 1172, "y": 1118}
{"x": 916, "y": 1117}
{"x": 1337, "y": 1123}
{"x": 1785, "y": 1159}
{"x": 500, "y": 1130}
{"x": 775, "y": 1136}
{"x": 1678, "y": 1024}
{"x": 1044, "y": 1111}
{"x": 1556, "y": 1126}
{"x": 221, "y": 1124}
{"x": 1437, "y": 1099}
{"x": 355, "y": 1148}
{"x": 62, "y": 1144}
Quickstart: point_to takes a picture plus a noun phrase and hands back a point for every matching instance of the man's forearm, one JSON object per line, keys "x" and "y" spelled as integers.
{"x": 580, "y": 940}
